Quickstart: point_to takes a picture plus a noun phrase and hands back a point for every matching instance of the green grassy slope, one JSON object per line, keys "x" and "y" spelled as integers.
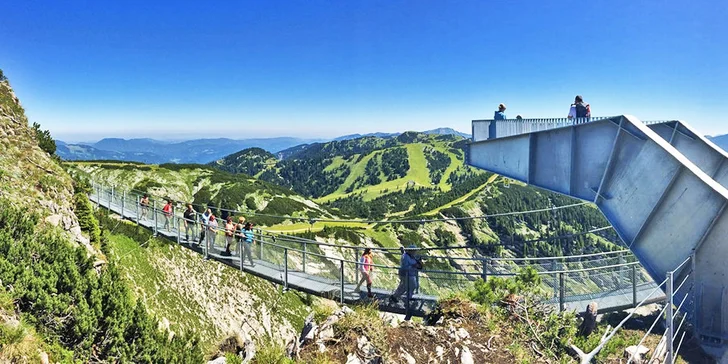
{"x": 205, "y": 297}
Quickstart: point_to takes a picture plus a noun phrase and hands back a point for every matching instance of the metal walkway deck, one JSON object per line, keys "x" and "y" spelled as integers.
{"x": 614, "y": 279}
{"x": 654, "y": 184}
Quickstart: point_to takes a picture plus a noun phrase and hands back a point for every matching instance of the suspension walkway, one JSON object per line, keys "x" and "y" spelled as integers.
{"x": 660, "y": 184}
{"x": 615, "y": 280}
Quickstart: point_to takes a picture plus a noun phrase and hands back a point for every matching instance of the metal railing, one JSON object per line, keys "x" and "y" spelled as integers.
{"x": 491, "y": 129}
{"x": 615, "y": 276}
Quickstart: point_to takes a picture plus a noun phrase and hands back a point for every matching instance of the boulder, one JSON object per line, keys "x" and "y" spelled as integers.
{"x": 466, "y": 357}
{"x": 639, "y": 353}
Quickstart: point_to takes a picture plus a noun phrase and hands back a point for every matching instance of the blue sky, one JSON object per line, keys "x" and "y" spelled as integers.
{"x": 177, "y": 69}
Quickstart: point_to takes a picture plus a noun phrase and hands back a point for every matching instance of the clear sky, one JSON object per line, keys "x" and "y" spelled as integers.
{"x": 177, "y": 69}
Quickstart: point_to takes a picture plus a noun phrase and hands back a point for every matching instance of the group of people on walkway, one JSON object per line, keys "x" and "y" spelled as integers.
{"x": 238, "y": 235}
{"x": 578, "y": 110}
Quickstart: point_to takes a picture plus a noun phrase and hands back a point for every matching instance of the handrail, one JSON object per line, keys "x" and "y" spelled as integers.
{"x": 279, "y": 245}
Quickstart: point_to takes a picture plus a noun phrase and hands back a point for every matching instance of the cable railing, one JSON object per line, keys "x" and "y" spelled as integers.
{"x": 615, "y": 278}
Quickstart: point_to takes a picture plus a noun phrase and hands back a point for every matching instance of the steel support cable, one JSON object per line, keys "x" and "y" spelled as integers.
{"x": 631, "y": 357}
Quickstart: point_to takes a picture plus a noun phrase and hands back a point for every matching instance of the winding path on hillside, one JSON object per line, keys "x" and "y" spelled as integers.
{"x": 330, "y": 271}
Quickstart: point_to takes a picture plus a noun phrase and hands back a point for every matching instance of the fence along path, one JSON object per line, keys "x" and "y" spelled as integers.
{"x": 615, "y": 280}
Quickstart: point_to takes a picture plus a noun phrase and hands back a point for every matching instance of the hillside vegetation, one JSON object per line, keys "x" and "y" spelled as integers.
{"x": 60, "y": 299}
{"x": 201, "y": 185}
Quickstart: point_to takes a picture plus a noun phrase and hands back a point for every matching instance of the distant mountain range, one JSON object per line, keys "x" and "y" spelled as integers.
{"x": 157, "y": 151}
{"x": 199, "y": 150}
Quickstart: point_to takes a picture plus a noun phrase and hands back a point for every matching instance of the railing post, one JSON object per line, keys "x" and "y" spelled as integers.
{"x": 620, "y": 277}
{"x": 137, "y": 209}
{"x": 111, "y": 199}
{"x": 207, "y": 241}
{"x": 634, "y": 285}
{"x": 179, "y": 232}
{"x": 562, "y": 292}
{"x": 154, "y": 211}
{"x": 241, "y": 249}
{"x": 484, "y": 275}
{"x": 304, "y": 257}
{"x": 123, "y": 198}
{"x": 668, "y": 319}
{"x": 341, "y": 268}
{"x": 98, "y": 196}
{"x": 356, "y": 265}
{"x": 285, "y": 269}
{"x": 554, "y": 268}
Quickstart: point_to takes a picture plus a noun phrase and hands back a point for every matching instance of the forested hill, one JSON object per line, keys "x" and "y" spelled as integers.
{"x": 369, "y": 166}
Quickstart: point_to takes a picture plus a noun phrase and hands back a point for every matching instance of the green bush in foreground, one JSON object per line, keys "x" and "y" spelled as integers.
{"x": 58, "y": 291}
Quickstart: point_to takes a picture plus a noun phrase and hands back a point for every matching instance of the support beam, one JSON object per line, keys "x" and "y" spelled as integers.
{"x": 657, "y": 206}
{"x": 672, "y": 137}
{"x": 610, "y": 161}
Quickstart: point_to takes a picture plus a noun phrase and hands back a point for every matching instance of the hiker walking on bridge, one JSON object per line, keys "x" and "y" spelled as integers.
{"x": 366, "y": 268}
{"x": 408, "y": 270}
{"x": 144, "y": 204}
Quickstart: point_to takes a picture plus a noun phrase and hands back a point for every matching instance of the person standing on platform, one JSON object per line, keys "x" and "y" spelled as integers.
{"x": 579, "y": 110}
{"x": 168, "y": 211}
{"x": 211, "y": 232}
{"x": 501, "y": 113}
{"x": 189, "y": 219}
{"x": 239, "y": 227}
{"x": 205, "y": 220}
{"x": 248, "y": 243}
{"x": 229, "y": 234}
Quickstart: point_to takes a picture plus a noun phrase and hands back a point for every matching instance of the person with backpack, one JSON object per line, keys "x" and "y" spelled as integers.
{"x": 366, "y": 267}
{"x": 229, "y": 234}
{"x": 579, "y": 109}
{"x": 189, "y": 220}
{"x": 168, "y": 211}
{"x": 144, "y": 204}
{"x": 249, "y": 239}
{"x": 408, "y": 271}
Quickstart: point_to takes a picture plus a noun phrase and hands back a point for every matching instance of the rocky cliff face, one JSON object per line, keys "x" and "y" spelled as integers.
{"x": 29, "y": 177}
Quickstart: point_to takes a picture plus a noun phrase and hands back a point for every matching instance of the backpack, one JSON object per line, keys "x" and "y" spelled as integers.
{"x": 582, "y": 110}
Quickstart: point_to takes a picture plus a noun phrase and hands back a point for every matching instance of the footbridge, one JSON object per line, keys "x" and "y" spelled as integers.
{"x": 615, "y": 279}
{"x": 661, "y": 185}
